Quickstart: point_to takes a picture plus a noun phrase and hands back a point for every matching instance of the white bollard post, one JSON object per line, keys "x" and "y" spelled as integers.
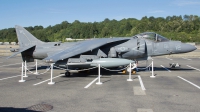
{"x": 36, "y": 72}
{"x": 152, "y": 76}
{"x": 51, "y": 82}
{"x": 130, "y": 73}
{"x": 99, "y": 82}
{"x": 25, "y": 69}
{"x": 22, "y": 80}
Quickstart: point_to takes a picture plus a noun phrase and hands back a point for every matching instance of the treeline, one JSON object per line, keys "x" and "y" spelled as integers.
{"x": 184, "y": 28}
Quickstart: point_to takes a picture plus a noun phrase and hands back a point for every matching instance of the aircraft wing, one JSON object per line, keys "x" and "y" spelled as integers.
{"x": 82, "y": 47}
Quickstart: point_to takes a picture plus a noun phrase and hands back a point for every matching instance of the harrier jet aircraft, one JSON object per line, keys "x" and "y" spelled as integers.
{"x": 108, "y": 52}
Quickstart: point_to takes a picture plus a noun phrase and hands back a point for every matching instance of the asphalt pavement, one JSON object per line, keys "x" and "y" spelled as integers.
{"x": 170, "y": 91}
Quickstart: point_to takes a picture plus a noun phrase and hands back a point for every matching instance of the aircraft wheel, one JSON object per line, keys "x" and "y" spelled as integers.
{"x": 67, "y": 74}
{"x": 134, "y": 72}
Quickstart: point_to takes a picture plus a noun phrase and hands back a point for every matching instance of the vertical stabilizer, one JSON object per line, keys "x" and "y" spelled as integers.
{"x": 25, "y": 38}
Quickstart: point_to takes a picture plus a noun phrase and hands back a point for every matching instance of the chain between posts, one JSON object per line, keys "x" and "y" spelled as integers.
{"x": 84, "y": 69}
{"x": 34, "y": 65}
{"x": 38, "y": 73}
{"x": 145, "y": 67}
{"x": 125, "y": 68}
{"x": 77, "y": 70}
{"x": 58, "y": 68}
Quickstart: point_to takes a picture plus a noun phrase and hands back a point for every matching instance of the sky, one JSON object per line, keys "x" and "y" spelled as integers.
{"x": 51, "y": 12}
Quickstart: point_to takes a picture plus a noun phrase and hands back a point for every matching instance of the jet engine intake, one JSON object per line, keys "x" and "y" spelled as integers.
{"x": 137, "y": 49}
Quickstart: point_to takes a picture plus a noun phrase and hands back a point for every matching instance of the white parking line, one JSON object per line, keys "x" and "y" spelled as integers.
{"x": 165, "y": 68}
{"x": 10, "y": 64}
{"x": 141, "y": 83}
{"x": 138, "y": 91}
{"x": 91, "y": 83}
{"x": 186, "y": 58}
{"x": 193, "y": 67}
{"x": 144, "y": 110}
{"x": 10, "y": 77}
{"x": 189, "y": 82}
{"x": 168, "y": 58}
{"x": 48, "y": 80}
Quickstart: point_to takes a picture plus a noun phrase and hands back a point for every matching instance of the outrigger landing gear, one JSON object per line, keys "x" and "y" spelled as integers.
{"x": 67, "y": 74}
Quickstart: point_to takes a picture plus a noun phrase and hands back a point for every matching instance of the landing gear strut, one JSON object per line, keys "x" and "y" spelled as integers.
{"x": 132, "y": 68}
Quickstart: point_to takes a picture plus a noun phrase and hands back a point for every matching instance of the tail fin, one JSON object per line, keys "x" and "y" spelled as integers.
{"x": 25, "y": 38}
{"x": 27, "y": 43}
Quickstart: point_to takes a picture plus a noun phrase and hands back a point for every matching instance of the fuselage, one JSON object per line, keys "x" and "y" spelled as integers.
{"x": 135, "y": 48}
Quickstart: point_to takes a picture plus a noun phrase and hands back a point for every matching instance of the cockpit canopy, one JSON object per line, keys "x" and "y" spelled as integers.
{"x": 151, "y": 36}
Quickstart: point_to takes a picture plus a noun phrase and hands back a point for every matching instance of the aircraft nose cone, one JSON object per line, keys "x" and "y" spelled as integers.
{"x": 187, "y": 48}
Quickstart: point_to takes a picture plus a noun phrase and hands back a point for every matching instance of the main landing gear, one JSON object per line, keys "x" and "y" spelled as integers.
{"x": 67, "y": 74}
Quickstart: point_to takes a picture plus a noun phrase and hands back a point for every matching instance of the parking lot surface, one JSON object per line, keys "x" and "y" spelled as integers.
{"x": 170, "y": 91}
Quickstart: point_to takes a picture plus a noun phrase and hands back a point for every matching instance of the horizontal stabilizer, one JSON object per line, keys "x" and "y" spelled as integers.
{"x": 21, "y": 50}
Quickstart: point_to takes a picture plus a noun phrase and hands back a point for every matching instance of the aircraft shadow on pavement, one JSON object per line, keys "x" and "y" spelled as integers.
{"x": 176, "y": 69}
{"x": 162, "y": 69}
{"x": 39, "y": 68}
{"x": 93, "y": 73}
{"x": 11, "y": 109}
